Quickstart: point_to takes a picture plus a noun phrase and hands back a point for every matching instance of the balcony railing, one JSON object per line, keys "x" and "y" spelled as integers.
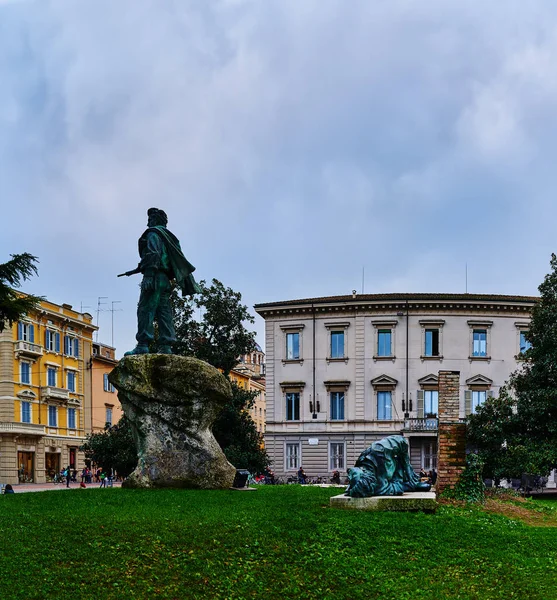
{"x": 22, "y": 428}
{"x": 424, "y": 424}
{"x": 54, "y": 392}
{"x": 27, "y": 348}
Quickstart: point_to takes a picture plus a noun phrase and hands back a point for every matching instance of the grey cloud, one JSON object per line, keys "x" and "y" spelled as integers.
{"x": 290, "y": 143}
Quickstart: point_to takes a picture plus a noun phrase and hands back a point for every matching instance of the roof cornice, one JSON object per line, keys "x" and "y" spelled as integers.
{"x": 400, "y": 302}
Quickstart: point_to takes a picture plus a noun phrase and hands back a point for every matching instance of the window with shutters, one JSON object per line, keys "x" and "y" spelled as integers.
{"x": 428, "y": 402}
{"x": 479, "y": 389}
{"x": 52, "y": 340}
{"x": 52, "y": 416}
{"x": 432, "y": 339}
{"x": 108, "y": 416}
{"x": 51, "y": 376}
{"x": 25, "y": 372}
{"x": 107, "y": 386}
{"x": 71, "y": 418}
{"x": 71, "y": 379}
{"x": 384, "y": 342}
{"x": 25, "y": 411}
{"x": 26, "y": 332}
{"x": 71, "y": 346}
{"x": 475, "y": 398}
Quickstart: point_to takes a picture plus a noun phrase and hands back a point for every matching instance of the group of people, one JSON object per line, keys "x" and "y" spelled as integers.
{"x": 428, "y": 476}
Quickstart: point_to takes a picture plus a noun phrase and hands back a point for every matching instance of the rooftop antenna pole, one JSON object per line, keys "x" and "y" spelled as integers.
{"x": 99, "y": 304}
{"x": 466, "y": 277}
{"x": 113, "y": 310}
{"x": 363, "y": 278}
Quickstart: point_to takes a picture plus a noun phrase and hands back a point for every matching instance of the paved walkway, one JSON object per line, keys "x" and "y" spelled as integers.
{"x": 42, "y": 487}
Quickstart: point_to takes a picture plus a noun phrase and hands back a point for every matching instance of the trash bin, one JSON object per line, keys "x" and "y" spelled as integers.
{"x": 241, "y": 478}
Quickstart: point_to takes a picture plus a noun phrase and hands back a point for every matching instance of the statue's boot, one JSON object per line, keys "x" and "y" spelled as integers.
{"x": 165, "y": 349}
{"x": 139, "y": 349}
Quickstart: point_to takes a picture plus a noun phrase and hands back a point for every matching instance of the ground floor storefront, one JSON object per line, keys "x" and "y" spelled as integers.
{"x": 37, "y": 459}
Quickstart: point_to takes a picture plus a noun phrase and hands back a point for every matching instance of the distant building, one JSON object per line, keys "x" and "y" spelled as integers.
{"x": 253, "y": 362}
{"x": 45, "y": 393}
{"x": 106, "y": 408}
{"x": 344, "y": 371}
{"x": 249, "y": 373}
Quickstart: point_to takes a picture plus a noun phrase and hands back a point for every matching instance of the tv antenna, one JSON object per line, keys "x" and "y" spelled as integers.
{"x": 113, "y": 310}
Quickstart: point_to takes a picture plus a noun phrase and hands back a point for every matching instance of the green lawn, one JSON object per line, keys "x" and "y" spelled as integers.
{"x": 281, "y": 541}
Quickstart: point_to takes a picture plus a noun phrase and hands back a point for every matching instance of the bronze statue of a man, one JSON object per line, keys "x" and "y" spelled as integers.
{"x": 162, "y": 262}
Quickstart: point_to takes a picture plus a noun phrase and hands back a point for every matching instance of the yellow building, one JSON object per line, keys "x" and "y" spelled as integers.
{"x": 45, "y": 393}
{"x": 106, "y": 408}
{"x": 246, "y": 379}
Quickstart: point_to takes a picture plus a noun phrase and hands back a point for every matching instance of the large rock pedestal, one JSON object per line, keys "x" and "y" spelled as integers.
{"x": 171, "y": 402}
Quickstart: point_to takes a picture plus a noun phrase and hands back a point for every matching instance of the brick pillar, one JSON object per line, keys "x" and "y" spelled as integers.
{"x": 451, "y": 451}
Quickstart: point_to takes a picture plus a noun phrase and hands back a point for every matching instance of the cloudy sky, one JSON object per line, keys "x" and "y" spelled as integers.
{"x": 292, "y": 144}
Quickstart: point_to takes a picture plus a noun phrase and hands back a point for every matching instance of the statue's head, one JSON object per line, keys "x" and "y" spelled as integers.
{"x": 361, "y": 482}
{"x": 156, "y": 216}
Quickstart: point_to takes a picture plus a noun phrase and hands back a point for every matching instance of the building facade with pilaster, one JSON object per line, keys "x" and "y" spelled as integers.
{"x": 45, "y": 393}
{"x": 344, "y": 371}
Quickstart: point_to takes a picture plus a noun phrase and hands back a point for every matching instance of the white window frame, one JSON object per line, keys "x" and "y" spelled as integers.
{"x": 477, "y": 324}
{"x": 427, "y": 325}
{"x": 108, "y": 412}
{"x": 29, "y": 363}
{"x": 332, "y": 457}
{"x": 287, "y": 466}
{"x": 289, "y": 329}
{"x": 382, "y": 325}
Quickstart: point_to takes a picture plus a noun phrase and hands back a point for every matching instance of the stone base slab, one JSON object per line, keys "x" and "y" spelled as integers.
{"x": 411, "y": 501}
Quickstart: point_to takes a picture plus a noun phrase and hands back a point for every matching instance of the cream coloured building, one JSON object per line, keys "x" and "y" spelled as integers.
{"x": 344, "y": 371}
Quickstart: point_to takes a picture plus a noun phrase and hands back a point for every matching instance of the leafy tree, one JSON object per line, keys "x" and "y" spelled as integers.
{"x": 219, "y": 338}
{"x": 517, "y": 432}
{"x": 13, "y": 304}
{"x": 113, "y": 448}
